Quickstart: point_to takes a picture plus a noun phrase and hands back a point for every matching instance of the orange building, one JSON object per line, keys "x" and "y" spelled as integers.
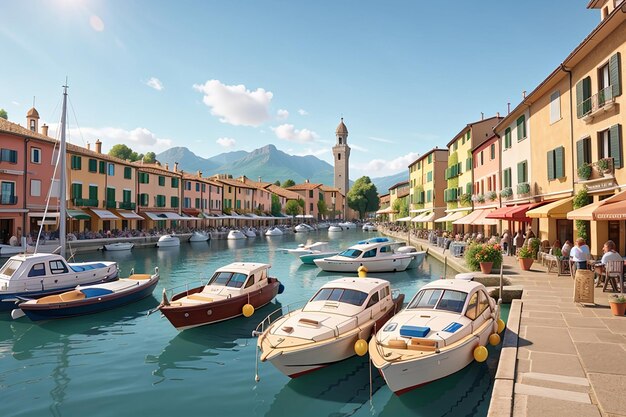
{"x": 311, "y": 194}
{"x": 159, "y": 196}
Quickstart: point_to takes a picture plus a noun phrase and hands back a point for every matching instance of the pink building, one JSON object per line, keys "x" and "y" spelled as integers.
{"x": 486, "y": 187}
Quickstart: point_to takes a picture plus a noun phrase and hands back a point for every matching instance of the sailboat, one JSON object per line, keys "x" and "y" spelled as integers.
{"x": 28, "y": 276}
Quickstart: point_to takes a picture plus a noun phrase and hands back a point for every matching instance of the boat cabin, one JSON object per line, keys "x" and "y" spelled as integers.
{"x": 456, "y": 296}
{"x": 367, "y": 250}
{"x": 237, "y": 277}
{"x": 349, "y": 296}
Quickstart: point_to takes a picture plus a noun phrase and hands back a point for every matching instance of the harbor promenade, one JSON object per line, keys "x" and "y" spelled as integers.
{"x": 558, "y": 357}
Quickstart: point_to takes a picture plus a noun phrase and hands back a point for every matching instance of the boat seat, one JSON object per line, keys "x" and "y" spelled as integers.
{"x": 309, "y": 322}
{"x": 140, "y": 276}
{"x": 72, "y": 296}
{"x": 427, "y": 345}
{"x": 50, "y": 299}
{"x": 199, "y": 297}
{"x": 396, "y": 344}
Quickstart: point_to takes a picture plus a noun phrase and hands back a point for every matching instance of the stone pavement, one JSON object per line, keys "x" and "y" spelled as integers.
{"x": 558, "y": 357}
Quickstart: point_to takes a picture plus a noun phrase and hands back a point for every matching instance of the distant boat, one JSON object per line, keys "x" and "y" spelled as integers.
{"x": 119, "y": 246}
{"x": 309, "y": 259}
{"x": 347, "y": 225}
{"x": 89, "y": 299}
{"x": 249, "y": 232}
{"x": 168, "y": 241}
{"x": 235, "y": 235}
{"x": 369, "y": 227}
{"x": 335, "y": 228}
{"x": 303, "y": 228}
{"x": 198, "y": 236}
{"x": 323, "y": 225}
{"x": 274, "y": 231}
{"x": 376, "y": 257}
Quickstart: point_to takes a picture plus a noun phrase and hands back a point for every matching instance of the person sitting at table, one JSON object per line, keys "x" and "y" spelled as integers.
{"x": 580, "y": 254}
{"x": 567, "y": 247}
{"x": 556, "y": 248}
{"x": 609, "y": 255}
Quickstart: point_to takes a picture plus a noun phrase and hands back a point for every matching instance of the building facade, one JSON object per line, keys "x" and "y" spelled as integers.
{"x": 341, "y": 153}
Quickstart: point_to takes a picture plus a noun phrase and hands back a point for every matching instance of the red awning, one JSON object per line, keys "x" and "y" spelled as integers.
{"x": 519, "y": 212}
{"x": 501, "y": 212}
{"x": 191, "y": 212}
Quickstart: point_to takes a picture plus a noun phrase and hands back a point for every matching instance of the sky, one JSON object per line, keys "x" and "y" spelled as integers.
{"x": 220, "y": 76}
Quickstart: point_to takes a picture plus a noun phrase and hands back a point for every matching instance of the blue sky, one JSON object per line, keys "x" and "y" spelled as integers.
{"x": 218, "y": 76}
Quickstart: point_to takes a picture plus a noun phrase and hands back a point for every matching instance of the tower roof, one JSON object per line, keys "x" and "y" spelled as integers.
{"x": 33, "y": 113}
{"x": 341, "y": 128}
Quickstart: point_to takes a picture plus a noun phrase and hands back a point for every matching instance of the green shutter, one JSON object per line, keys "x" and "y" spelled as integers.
{"x": 445, "y": 195}
{"x": 521, "y": 127}
{"x": 126, "y": 196}
{"x": 580, "y": 153}
{"x": 551, "y": 165}
{"x": 93, "y": 165}
{"x": 102, "y": 167}
{"x": 615, "y": 144}
{"x": 520, "y": 172}
{"x": 559, "y": 162}
{"x": 614, "y": 72}
{"x": 93, "y": 192}
{"x": 161, "y": 180}
{"x": 468, "y": 188}
{"x": 579, "y": 99}
{"x": 111, "y": 194}
{"x": 586, "y": 95}
{"x": 77, "y": 191}
{"x": 127, "y": 173}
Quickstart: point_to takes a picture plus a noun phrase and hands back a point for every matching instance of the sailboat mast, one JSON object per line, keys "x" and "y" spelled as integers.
{"x": 62, "y": 185}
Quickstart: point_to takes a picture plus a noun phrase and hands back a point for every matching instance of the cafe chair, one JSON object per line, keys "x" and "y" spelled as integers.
{"x": 614, "y": 270}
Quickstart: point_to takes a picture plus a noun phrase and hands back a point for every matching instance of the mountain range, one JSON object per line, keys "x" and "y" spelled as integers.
{"x": 267, "y": 163}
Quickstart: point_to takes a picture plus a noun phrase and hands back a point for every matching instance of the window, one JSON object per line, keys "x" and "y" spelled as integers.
{"x": 197, "y": 187}
{"x": 126, "y": 196}
{"x": 35, "y": 188}
{"x": 144, "y": 178}
{"x": 471, "y": 311}
{"x": 102, "y": 167}
{"x": 425, "y": 299}
{"x": 76, "y": 162}
{"x": 341, "y": 295}
{"x": 197, "y": 203}
{"x": 507, "y": 138}
{"x": 555, "y": 107}
{"x": 373, "y": 300}
{"x": 175, "y": 183}
{"x": 161, "y": 180}
{"x": 7, "y": 193}
{"x": 35, "y": 155}
{"x": 250, "y": 281}
{"x": 143, "y": 199}
{"x": 583, "y": 97}
{"x": 583, "y": 152}
{"x": 556, "y": 162}
{"x": 429, "y": 176}
{"x": 128, "y": 173}
{"x": 76, "y": 190}
{"x": 492, "y": 151}
{"x": 92, "y": 165}
{"x": 93, "y": 192}
{"x": 110, "y": 197}
{"x": 429, "y": 196}
{"x": 204, "y": 188}
{"x": 38, "y": 270}
{"x": 370, "y": 253}
{"x": 522, "y": 172}
{"x": 111, "y": 170}
{"x": 339, "y": 157}
{"x": 8, "y": 155}
{"x": 174, "y": 202}
{"x": 311, "y": 207}
{"x": 482, "y": 159}
{"x": 430, "y": 158}
{"x": 521, "y": 128}
{"x": 610, "y": 145}
{"x": 58, "y": 267}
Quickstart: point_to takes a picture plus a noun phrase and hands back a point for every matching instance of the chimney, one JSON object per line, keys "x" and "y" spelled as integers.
{"x": 175, "y": 166}
{"x": 498, "y": 114}
{"x": 167, "y": 166}
{"x": 508, "y": 108}
{"x": 524, "y": 94}
{"x": 199, "y": 174}
{"x": 259, "y": 179}
{"x": 482, "y": 116}
{"x": 306, "y": 181}
{"x": 44, "y": 129}
{"x": 88, "y": 146}
{"x": 98, "y": 146}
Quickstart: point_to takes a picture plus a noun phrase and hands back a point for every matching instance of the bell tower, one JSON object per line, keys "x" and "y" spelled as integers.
{"x": 341, "y": 152}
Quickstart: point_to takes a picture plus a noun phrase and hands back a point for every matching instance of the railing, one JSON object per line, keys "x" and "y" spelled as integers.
{"x": 127, "y": 205}
{"x": 8, "y": 199}
{"x": 85, "y": 202}
{"x": 597, "y": 170}
{"x": 596, "y": 102}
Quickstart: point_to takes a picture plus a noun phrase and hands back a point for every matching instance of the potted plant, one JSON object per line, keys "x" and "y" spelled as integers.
{"x": 506, "y": 192}
{"x": 584, "y": 172}
{"x": 487, "y": 255}
{"x": 492, "y": 196}
{"x": 525, "y": 256}
{"x": 603, "y": 165}
{"x": 523, "y": 188}
{"x": 618, "y": 304}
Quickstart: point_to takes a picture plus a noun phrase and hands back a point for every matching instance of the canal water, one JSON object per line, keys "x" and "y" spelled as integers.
{"x": 125, "y": 363}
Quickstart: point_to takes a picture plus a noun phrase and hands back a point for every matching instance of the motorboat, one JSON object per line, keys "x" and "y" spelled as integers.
{"x": 41, "y": 274}
{"x": 335, "y": 228}
{"x": 199, "y": 236}
{"x": 347, "y": 225}
{"x": 303, "y": 228}
{"x": 235, "y": 235}
{"x": 274, "y": 231}
{"x": 303, "y": 249}
{"x": 10, "y": 250}
{"x": 369, "y": 227}
{"x": 309, "y": 259}
{"x": 323, "y": 225}
{"x": 436, "y": 335}
{"x": 326, "y": 329}
{"x": 249, "y": 232}
{"x": 376, "y": 257}
{"x": 119, "y": 246}
{"x": 89, "y": 299}
{"x": 418, "y": 255}
{"x": 233, "y": 290}
{"x": 168, "y": 241}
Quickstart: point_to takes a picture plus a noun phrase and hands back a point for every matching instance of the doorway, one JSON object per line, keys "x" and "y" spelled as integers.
{"x": 6, "y": 230}
{"x": 614, "y": 235}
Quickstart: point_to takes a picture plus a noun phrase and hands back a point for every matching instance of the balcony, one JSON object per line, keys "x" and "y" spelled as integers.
{"x": 85, "y": 202}
{"x": 600, "y": 102}
{"x": 109, "y": 204}
{"x": 8, "y": 199}
{"x": 597, "y": 175}
{"x": 127, "y": 205}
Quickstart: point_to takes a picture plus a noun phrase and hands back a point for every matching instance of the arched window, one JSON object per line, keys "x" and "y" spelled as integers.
{"x": 339, "y": 157}
{"x": 340, "y": 141}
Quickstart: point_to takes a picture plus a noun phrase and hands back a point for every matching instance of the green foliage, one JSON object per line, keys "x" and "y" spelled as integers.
{"x": 603, "y": 164}
{"x": 584, "y": 171}
{"x": 322, "y": 208}
{"x": 483, "y": 252}
{"x": 506, "y": 192}
{"x": 293, "y": 207}
{"x": 3, "y": 114}
{"x": 277, "y": 182}
{"x": 617, "y": 298}
{"x": 149, "y": 158}
{"x": 523, "y": 188}
{"x": 363, "y": 196}
{"x": 534, "y": 244}
{"x": 581, "y": 199}
{"x": 401, "y": 206}
{"x": 582, "y": 229}
{"x": 288, "y": 183}
{"x": 465, "y": 199}
{"x": 301, "y": 203}
{"x": 275, "y": 205}
{"x": 525, "y": 253}
{"x": 122, "y": 151}
{"x": 557, "y": 252}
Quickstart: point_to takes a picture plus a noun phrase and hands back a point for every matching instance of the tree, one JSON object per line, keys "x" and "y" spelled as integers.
{"x": 275, "y": 205}
{"x": 122, "y": 151}
{"x": 400, "y": 205}
{"x": 363, "y": 196}
{"x": 277, "y": 183}
{"x": 322, "y": 209}
{"x": 288, "y": 183}
{"x": 149, "y": 158}
{"x": 293, "y": 208}
{"x": 3, "y": 114}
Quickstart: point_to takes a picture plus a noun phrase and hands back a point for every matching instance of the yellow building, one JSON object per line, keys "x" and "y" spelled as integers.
{"x": 399, "y": 201}
{"x": 427, "y": 182}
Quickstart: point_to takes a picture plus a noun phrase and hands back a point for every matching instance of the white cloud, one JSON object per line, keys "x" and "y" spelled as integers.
{"x": 226, "y": 142}
{"x": 155, "y": 83}
{"x": 303, "y": 112}
{"x": 289, "y": 132}
{"x": 383, "y": 167}
{"x": 234, "y": 104}
{"x": 282, "y": 114}
{"x": 139, "y": 139}
{"x": 15, "y": 103}
{"x": 382, "y": 140}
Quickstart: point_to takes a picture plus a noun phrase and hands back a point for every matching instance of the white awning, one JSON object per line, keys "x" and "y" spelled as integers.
{"x": 131, "y": 215}
{"x": 419, "y": 218}
{"x": 404, "y": 219}
{"x": 164, "y": 215}
{"x": 304, "y": 216}
{"x": 451, "y": 217}
{"x": 105, "y": 214}
{"x": 50, "y": 214}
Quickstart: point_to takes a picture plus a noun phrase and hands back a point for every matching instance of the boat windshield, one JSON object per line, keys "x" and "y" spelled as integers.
{"x": 351, "y": 253}
{"x": 10, "y": 267}
{"x": 228, "y": 279}
{"x": 341, "y": 295}
{"x": 448, "y": 300}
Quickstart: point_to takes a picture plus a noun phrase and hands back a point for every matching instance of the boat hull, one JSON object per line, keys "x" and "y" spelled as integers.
{"x": 86, "y": 306}
{"x": 396, "y": 264}
{"x": 188, "y": 316}
{"x": 196, "y": 237}
{"x": 168, "y": 243}
{"x": 309, "y": 259}
{"x": 404, "y": 376}
{"x": 119, "y": 246}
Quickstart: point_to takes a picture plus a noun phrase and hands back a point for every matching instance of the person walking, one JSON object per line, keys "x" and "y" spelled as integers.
{"x": 505, "y": 242}
{"x": 518, "y": 241}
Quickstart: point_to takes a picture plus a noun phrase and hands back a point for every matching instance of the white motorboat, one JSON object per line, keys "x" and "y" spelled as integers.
{"x": 328, "y": 327}
{"x": 303, "y": 249}
{"x": 199, "y": 236}
{"x": 119, "y": 246}
{"x": 168, "y": 241}
{"x": 437, "y": 334}
{"x": 274, "y": 231}
{"x": 303, "y": 228}
{"x": 376, "y": 257}
{"x": 335, "y": 228}
{"x": 347, "y": 225}
{"x": 418, "y": 255}
{"x": 249, "y": 232}
{"x": 235, "y": 235}
{"x": 13, "y": 249}
{"x": 369, "y": 227}
{"x": 36, "y": 275}
{"x": 323, "y": 225}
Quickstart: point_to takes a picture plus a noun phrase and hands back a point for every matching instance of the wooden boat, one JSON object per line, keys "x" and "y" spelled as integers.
{"x": 37, "y": 275}
{"x": 235, "y": 235}
{"x": 435, "y": 335}
{"x": 224, "y": 297}
{"x": 198, "y": 236}
{"x": 376, "y": 257}
{"x": 168, "y": 241}
{"x": 326, "y": 329}
{"x": 119, "y": 246}
{"x": 89, "y": 299}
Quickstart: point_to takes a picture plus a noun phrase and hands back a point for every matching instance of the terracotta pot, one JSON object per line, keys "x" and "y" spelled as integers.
{"x": 485, "y": 267}
{"x": 525, "y": 263}
{"x": 618, "y": 309}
